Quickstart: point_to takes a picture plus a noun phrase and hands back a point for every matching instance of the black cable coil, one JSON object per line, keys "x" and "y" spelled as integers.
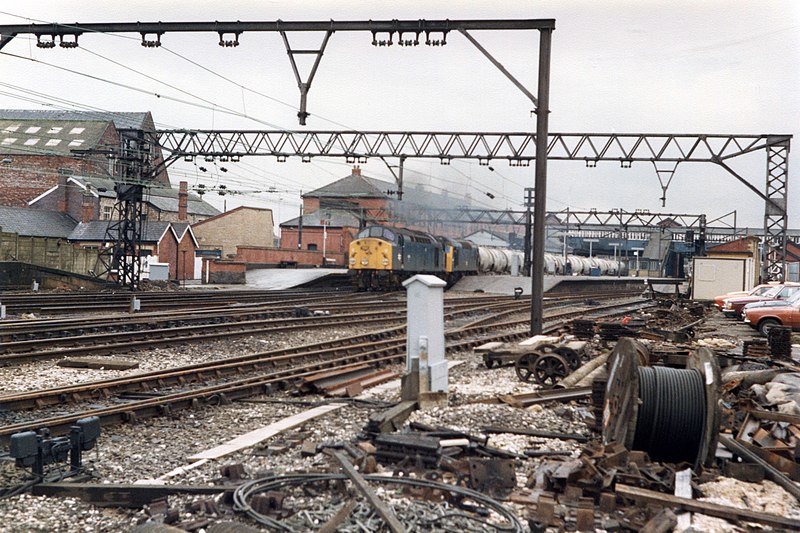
{"x": 672, "y": 414}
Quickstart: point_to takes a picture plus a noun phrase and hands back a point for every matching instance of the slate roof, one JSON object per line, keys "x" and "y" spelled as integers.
{"x": 49, "y": 137}
{"x": 195, "y": 205}
{"x": 95, "y": 231}
{"x": 360, "y": 186}
{"x": 122, "y": 119}
{"x": 35, "y": 222}
{"x": 338, "y": 219}
{"x": 104, "y": 187}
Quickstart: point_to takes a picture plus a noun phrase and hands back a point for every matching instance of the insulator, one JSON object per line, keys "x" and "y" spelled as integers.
{"x": 45, "y": 44}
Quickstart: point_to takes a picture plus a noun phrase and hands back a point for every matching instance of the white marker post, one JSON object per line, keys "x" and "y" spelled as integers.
{"x": 425, "y": 332}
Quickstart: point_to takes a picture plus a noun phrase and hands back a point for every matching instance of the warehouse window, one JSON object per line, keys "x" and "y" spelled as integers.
{"x": 11, "y": 128}
{"x": 53, "y": 142}
{"x": 31, "y": 142}
{"x": 107, "y": 210}
{"x": 33, "y": 129}
{"x": 76, "y": 131}
{"x": 312, "y": 247}
{"x": 9, "y": 140}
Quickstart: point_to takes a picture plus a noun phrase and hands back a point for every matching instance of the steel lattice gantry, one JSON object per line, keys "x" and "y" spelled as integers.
{"x": 520, "y": 149}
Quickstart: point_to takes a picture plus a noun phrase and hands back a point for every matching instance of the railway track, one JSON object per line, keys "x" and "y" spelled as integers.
{"x": 69, "y": 302}
{"x": 269, "y": 370}
{"x": 116, "y": 335}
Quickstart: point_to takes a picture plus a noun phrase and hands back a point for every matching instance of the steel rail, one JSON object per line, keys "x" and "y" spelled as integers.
{"x": 254, "y": 385}
{"x": 130, "y": 340}
{"x": 379, "y": 340}
{"x": 17, "y": 351}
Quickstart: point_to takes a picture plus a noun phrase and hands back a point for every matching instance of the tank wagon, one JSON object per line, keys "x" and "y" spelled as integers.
{"x": 383, "y": 257}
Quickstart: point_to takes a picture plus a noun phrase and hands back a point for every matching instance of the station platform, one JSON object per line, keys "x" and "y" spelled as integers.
{"x": 552, "y": 284}
{"x": 286, "y": 278}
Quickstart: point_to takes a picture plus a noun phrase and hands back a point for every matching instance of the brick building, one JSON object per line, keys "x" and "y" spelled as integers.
{"x": 162, "y": 242}
{"x": 242, "y": 226}
{"x": 341, "y": 209}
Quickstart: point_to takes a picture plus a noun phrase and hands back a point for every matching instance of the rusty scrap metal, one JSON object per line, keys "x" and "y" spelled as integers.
{"x": 361, "y": 485}
{"x": 712, "y": 509}
{"x": 495, "y": 477}
{"x": 536, "y": 433}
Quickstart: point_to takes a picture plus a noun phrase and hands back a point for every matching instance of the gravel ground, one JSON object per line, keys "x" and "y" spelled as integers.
{"x": 149, "y": 449}
{"x": 49, "y": 374}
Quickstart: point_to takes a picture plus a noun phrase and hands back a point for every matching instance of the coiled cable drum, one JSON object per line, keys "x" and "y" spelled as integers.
{"x": 672, "y": 414}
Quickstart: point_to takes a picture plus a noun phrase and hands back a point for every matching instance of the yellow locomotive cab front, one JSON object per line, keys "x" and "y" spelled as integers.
{"x": 370, "y": 254}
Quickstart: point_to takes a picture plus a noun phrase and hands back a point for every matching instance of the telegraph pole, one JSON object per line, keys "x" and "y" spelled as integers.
{"x": 540, "y": 184}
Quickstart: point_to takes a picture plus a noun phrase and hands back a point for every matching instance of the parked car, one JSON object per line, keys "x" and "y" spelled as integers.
{"x": 772, "y": 303}
{"x": 765, "y": 317}
{"x": 758, "y": 290}
{"x": 733, "y": 306}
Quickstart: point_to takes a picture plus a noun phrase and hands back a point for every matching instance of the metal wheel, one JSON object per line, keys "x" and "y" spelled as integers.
{"x": 549, "y": 369}
{"x": 570, "y": 356}
{"x": 524, "y": 366}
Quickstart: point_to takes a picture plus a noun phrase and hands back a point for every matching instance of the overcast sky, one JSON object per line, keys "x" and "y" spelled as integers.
{"x": 617, "y": 66}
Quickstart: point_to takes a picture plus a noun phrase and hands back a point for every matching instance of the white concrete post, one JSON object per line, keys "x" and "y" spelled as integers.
{"x": 515, "y": 266}
{"x": 425, "y": 330}
{"x": 35, "y": 286}
{"x": 2, "y": 312}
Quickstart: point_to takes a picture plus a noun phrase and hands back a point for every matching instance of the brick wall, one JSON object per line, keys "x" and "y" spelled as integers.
{"x": 336, "y": 245}
{"x": 276, "y": 256}
{"x": 238, "y": 227}
{"x": 29, "y": 176}
{"x": 185, "y": 266}
{"x": 225, "y": 272}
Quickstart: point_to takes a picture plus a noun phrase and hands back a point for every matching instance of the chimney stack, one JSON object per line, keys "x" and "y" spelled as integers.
{"x": 183, "y": 200}
{"x": 356, "y": 171}
{"x": 87, "y": 207}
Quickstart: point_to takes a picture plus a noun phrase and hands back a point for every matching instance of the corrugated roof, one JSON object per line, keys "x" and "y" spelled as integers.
{"x": 35, "y": 222}
{"x": 121, "y": 119}
{"x": 49, "y": 137}
{"x": 335, "y": 218}
{"x": 95, "y": 231}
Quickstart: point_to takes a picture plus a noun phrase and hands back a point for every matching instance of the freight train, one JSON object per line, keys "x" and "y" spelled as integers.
{"x": 383, "y": 257}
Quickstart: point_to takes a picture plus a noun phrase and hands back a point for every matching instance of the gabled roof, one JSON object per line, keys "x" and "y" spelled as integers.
{"x": 335, "y": 218}
{"x": 181, "y": 229}
{"x": 35, "y": 222}
{"x": 122, "y": 119}
{"x": 354, "y": 186}
{"x": 49, "y": 137}
{"x": 95, "y": 231}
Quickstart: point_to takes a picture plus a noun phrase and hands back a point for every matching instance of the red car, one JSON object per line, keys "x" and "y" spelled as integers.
{"x": 733, "y": 306}
{"x": 763, "y": 318}
{"x": 758, "y": 290}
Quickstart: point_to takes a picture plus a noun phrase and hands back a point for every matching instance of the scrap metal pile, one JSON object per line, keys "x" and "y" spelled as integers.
{"x": 665, "y": 418}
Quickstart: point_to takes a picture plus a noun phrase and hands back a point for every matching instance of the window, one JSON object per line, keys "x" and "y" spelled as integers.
{"x": 54, "y": 129}
{"x": 107, "y": 210}
{"x": 33, "y": 129}
{"x": 388, "y": 235}
{"x": 76, "y": 142}
{"x": 76, "y": 131}
{"x": 312, "y": 247}
{"x": 31, "y": 142}
{"x": 10, "y": 129}
{"x": 8, "y": 140}
{"x": 53, "y": 142}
